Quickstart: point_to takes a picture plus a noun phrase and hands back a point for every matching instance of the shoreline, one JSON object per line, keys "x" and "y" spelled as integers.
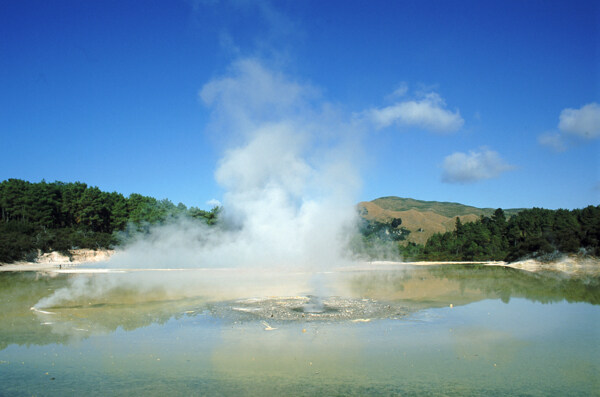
{"x": 55, "y": 260}
{"x": 59, "y": 263}
{"x": 569, "y": 265}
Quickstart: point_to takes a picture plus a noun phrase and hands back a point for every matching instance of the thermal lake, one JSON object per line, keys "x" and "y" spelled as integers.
{"x": 393, "y": 330}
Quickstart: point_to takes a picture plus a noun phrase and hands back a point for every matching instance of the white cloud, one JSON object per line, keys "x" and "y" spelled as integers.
{"x": 573, "y": 126}
{"x": 553, "y": 140}
{"x": 473, "y": 166}
{"x": 583, "y": 122}
{"x": 429, "y": 113}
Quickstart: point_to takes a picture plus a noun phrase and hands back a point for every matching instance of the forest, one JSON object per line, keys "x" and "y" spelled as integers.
{"x": 532, "y": 233}
{"x": 60, "y": 216}
{"x": 57, "y": 216}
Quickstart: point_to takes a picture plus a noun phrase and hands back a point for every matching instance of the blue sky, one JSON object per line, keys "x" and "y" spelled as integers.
{"x": 492, "y": 104}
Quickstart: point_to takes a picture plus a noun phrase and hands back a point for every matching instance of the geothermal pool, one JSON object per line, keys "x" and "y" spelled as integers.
{"x": 395, "y": 330}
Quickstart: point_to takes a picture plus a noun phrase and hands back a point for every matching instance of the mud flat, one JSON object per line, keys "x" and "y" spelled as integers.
{"x": 309, "y": 309}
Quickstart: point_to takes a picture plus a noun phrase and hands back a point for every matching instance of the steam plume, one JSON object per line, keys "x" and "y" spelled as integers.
{"x": 290, "y": 182}
{"x": 290, "y": 186}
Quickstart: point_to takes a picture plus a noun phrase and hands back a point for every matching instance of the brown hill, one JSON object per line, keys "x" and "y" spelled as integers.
{"x": 422, "y": 218}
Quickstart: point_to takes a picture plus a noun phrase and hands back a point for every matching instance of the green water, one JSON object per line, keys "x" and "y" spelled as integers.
{"x": 507, "y": 332}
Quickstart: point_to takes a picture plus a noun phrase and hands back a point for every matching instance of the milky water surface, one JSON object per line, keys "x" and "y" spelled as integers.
{"x": 451, "y": 330}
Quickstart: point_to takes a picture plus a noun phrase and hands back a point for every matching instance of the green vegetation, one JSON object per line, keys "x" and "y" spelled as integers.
{"x": 42, "y": 217}
{"x": 60, "y": 216}
{"x": 531, "y": 233}
{"x": 496, "y": 235}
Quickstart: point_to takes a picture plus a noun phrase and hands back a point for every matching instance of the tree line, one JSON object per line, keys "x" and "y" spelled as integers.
{"x": 533, "y": 232}
{"x": 60, "y": 216}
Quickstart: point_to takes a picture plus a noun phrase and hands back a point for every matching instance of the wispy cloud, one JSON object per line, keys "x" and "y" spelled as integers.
{"x": 553, "y": 140}
{"x": 428, "y": 113}
{"x": 400, "y": 91}
{"x": 473, "y": 166}
{"x": 573, "y": 125}
{"x": 274, "y": 33}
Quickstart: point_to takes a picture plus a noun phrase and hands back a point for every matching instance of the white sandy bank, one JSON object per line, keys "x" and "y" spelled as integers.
{"x": 56, "y": 260}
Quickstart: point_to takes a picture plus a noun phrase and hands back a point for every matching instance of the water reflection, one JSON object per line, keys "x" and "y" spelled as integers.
{"x": 118, "y": 301}
{"x": 437, "y": 286}
{"x": 188, "y": 334}
{"x": 127, "y": 308}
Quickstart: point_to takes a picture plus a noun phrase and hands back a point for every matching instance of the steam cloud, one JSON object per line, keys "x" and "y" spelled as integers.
{"x": 290, "y": 183}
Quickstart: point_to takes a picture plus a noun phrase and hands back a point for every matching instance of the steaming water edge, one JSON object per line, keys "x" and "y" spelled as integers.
{"x": 365, "y": 332}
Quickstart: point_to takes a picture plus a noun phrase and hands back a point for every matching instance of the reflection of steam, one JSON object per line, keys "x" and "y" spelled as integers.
{"x": 164, "y": 285}
{"x": 354, "y": 295}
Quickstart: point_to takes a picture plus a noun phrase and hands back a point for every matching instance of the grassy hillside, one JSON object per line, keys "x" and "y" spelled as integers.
{"x": 423, "y": 218}
{"x": 446, "y": 209}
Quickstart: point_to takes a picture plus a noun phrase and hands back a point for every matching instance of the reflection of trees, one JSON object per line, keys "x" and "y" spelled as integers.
{"x": 129, "y": 307}
{"x": 22, "y": 326}
{"x": 504, "y": 283}
{"x": 468, "y": 283}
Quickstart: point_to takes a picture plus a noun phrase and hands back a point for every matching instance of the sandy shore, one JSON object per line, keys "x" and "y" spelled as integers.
{"x": 56, "y": 261}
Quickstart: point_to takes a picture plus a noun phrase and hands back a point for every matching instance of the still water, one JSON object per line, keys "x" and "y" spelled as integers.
{"x": 435, "y": 330}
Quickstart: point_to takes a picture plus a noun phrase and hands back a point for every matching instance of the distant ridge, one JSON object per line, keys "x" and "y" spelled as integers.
{"x": 424, "y": 218}
{"x": 444, "y": 208}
